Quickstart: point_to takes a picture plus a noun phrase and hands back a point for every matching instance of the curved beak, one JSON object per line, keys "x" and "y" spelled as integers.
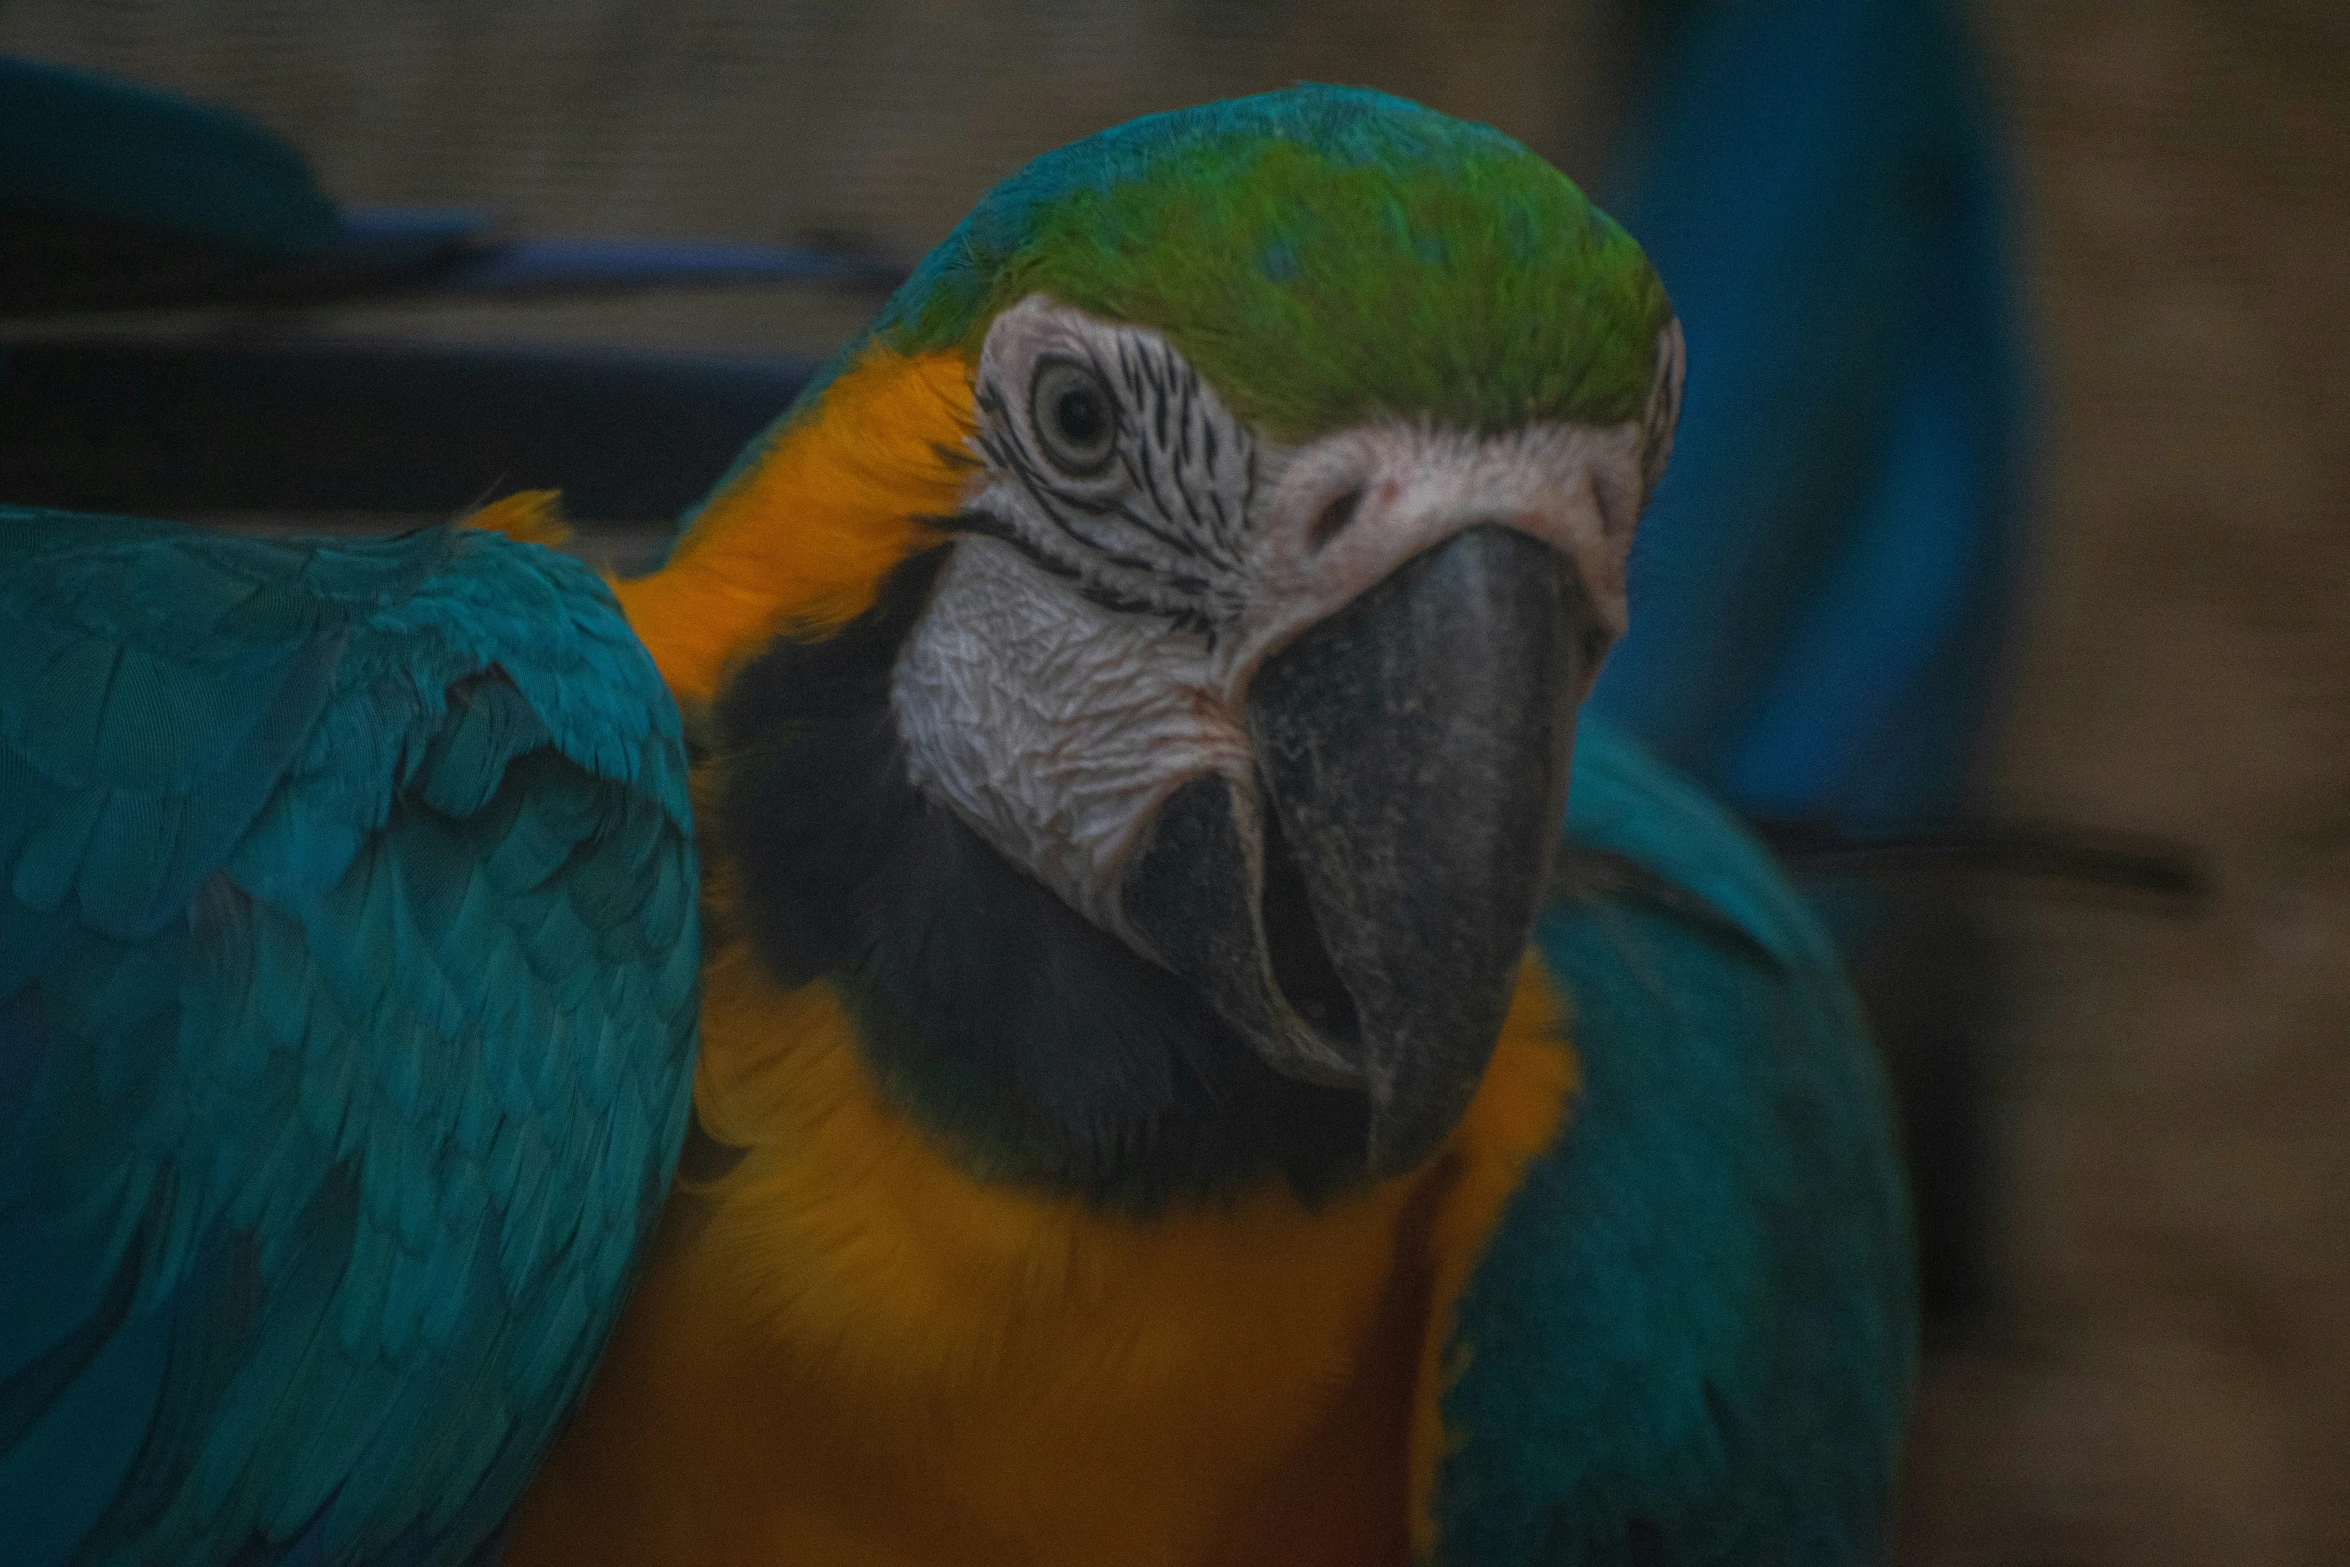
{"x": 1361, "y": 923}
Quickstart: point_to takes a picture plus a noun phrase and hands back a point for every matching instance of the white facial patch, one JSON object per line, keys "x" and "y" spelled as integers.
{"x": 1053, "y": 725}
{"x": 1088, "y": 647}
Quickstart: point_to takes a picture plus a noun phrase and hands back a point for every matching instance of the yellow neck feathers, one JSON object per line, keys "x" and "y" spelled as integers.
{"x": 803, "y": 537}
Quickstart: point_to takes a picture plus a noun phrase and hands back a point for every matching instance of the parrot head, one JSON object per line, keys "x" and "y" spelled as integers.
{"x": 1143, "y": 668}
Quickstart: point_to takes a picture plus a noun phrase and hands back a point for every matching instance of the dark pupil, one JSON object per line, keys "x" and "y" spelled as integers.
{"x": 1079, "y": 413}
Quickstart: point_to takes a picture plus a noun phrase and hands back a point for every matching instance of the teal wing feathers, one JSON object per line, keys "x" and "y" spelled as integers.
{"x": 1691, "y": 1339}
{"x": 347, "y": 1006}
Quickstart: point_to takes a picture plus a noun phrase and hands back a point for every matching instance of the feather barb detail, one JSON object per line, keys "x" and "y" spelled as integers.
{"x": 533, "y": 516}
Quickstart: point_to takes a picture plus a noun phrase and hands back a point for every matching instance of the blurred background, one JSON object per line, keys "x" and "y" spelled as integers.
{"x": 2013, "y": 491}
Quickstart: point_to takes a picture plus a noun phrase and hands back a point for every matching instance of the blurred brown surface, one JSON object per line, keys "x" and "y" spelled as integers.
{"x": 2166, "y": 1376}
{"x": 881, "y": 120}
{"x": 2170, "y": 1380}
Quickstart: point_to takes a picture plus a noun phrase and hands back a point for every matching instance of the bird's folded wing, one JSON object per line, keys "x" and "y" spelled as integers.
{"x": 347, "y": 969}
{"x": 1691, "y": 1337}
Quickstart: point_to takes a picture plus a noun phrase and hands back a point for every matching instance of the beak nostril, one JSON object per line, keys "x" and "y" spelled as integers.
{"x": 1334, "y": 519}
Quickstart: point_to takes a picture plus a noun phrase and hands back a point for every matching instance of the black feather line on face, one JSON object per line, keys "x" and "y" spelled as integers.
{"x": 1037, "y": 1047}
{"x": 1044, "y": 487}
{"x": 1155, "y": 449}
{"x": 1167, "y": 452}
{"x": 988, "y": 525}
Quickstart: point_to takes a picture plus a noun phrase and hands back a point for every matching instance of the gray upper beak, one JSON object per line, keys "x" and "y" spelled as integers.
{"x": 1361, "y": 921}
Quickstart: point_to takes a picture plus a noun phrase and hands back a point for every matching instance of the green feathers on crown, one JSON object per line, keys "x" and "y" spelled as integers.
{"x": 1323, "y": 255}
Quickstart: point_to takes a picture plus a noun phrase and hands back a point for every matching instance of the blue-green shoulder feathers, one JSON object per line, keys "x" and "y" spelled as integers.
{"x": 347, "y": 976}
{"x": 1690, "y": 1343}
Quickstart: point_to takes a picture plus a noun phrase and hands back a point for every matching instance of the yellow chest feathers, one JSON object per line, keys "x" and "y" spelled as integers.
{"x": 848, "y": 1351}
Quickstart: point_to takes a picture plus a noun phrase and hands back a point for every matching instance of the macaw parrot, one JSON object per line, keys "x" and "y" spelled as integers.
{"x": 348, "y": 977}
{"x": 1169, "y": 1092}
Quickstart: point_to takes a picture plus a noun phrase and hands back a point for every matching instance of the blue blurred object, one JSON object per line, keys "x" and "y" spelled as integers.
{"x": 118, "y": 197}
{"x": 115, "y": 195}
{"x": 1820, "y": 590}
{"x": 75, "y": 146}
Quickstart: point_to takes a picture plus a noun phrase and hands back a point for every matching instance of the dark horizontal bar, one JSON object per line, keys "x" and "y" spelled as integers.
{"x": 574, "y": 266}
{"x": 51, "y": 265}
{"x": 2176, "y": 876}
{"x": 171, "y": 429}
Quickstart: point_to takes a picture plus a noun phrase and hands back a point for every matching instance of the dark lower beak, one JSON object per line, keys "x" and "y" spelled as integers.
{"x": 1362, "y": 924}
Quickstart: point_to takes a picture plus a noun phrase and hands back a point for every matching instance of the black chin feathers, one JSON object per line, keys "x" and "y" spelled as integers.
{"x": 1038, "y": 1046}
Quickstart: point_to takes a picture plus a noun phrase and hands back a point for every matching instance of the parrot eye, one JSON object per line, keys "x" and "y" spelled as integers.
{"x": 1076, "y": 418}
